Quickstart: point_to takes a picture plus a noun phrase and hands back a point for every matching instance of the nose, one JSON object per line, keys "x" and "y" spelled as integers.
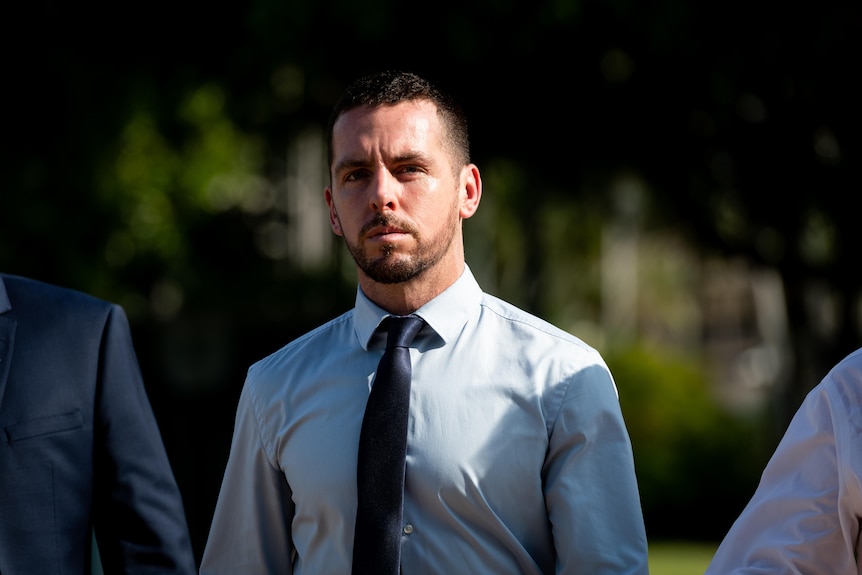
{"x": 383, "y": 193}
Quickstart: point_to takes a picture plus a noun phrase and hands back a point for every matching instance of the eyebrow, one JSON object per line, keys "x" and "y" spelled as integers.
{"x": 350, "y": 164}
{"x": 401, "y": 159}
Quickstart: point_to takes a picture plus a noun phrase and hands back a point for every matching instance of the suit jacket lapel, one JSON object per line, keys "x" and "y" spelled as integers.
{"x": 7, "y": 338}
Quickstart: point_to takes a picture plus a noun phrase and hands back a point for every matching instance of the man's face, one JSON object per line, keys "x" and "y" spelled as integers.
{"x": 395, "y": 196}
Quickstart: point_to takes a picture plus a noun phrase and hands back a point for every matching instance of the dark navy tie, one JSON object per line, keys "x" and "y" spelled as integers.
{"x": 382, "y": 449}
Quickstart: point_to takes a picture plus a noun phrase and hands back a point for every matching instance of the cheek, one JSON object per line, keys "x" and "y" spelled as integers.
{"x": 441, "y": 216}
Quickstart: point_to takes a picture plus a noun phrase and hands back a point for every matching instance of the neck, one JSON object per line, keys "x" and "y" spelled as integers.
{"x": 406, "y": 297}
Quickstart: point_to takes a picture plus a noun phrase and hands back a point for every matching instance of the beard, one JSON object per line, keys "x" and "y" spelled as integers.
{"x": 390, "y": 267}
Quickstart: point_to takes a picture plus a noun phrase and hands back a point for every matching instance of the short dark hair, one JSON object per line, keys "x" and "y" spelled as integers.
{"x": 393, "y": 87}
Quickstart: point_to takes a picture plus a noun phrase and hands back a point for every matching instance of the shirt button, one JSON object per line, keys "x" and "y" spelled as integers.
{"x": 408, "y": 529}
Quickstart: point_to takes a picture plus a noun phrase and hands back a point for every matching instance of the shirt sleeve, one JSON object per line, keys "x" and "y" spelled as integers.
{"x": 804, "y": 515}
{"x": 251, "y": 526}
{"x": 590, "y": 487}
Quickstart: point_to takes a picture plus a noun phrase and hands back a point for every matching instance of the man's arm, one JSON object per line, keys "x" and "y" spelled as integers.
{"x": 250, "y": 531}
{"x": 138, "y": 511}
{"x": 590, "y": 486}
{"x": 803, "y": 517}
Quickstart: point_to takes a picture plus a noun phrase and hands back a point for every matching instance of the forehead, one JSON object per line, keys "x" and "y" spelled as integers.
{"x": 387, "y": 128}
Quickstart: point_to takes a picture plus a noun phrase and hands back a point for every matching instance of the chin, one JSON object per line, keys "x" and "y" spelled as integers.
{"x": 390, "y": 270}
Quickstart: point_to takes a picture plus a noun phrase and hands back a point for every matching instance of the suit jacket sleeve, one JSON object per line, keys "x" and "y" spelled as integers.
{"x": 138, "y": 512}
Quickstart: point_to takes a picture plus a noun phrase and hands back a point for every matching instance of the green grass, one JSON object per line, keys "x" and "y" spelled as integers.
{"x": 678, "y": 558}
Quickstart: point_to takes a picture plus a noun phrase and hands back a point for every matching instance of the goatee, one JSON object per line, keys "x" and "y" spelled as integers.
{"x": 387, "y": 267}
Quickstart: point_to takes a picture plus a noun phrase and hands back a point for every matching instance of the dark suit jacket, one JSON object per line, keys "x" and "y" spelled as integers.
{"x": 79, "y": 445}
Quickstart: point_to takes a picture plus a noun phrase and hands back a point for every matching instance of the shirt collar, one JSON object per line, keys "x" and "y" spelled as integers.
{"x": 445, "y": 315}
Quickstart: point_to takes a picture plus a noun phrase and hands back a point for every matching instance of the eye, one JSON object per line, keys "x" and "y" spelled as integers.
{"x": 355, "y": 175}
{"x": 410, "y": 169}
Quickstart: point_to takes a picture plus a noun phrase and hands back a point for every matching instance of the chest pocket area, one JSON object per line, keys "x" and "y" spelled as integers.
{"x": 42, "y": 426}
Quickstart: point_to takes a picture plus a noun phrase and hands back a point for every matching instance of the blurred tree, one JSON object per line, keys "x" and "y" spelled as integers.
{"x": 693, "y": 459}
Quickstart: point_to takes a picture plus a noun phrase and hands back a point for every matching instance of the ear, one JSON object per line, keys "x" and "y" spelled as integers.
{"x": 471, "y": 190}
{"x": 333, "y": 215}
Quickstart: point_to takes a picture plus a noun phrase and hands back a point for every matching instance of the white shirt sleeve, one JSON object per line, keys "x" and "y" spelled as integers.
{"x": 250, "y": 531}
{"x": 590, "y": 485}
{"x": 804, "y": 516}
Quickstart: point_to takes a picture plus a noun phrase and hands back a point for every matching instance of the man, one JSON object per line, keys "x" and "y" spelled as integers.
{"x": 80, "y": 449}
{"x": 518, "y": 460}
{"x": 805, "y": 515}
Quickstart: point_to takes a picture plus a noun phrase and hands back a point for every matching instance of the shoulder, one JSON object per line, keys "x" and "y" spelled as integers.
{"x": 44, "y": 311}
{"x": 517, "y": 320}
{"x": 27, "y": 295}
{"x": 313, "y": 345}
{"x": 848, "y": 371}
{"x": 564, "y": 361}
{"x": 831, "y": 409}
{"x": 843, "y": 386}
{"x": 303, "y": 365}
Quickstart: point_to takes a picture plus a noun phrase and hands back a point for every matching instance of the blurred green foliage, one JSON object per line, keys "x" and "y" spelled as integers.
{"x": 679, "y": 558}
{"x": 693, "y": 458}
{"x": 159, "y": 187}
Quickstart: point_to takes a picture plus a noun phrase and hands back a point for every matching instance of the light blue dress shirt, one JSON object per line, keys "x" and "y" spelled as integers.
{"x": 518, "y": 458}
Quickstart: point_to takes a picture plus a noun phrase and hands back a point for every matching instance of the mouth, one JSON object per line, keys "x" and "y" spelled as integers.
{"x": 386, "y": 233}
{"x": 386, "y": 228}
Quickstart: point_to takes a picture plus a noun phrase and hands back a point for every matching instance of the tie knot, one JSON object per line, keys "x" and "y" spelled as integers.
{"x": 402, "y": 330}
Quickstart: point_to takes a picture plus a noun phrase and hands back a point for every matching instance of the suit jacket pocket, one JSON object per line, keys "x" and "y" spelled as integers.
{"x": 45, "y": 425}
